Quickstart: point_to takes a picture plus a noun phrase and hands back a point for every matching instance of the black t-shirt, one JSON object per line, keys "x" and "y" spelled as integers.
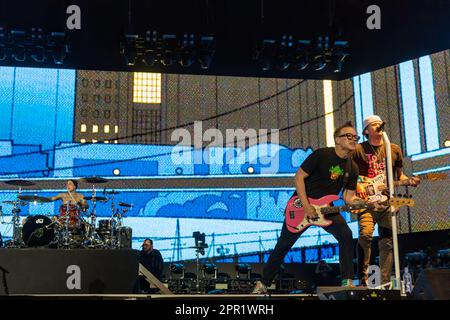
{"x": 325, "y": 171}
{"x": 371, "y": 159}
{"x": 153, "y": 261}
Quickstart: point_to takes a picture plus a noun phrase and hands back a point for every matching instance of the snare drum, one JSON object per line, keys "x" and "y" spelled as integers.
{"x": 106, "y": 225}
{"x": 73, "y": 212}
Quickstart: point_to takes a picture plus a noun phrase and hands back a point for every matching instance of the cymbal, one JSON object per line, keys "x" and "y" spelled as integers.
{"x": 21, "y": 203}
{"x": 35, "y": 199}
{"x": 93, "y": 179}
{"x": 123, "y": 204}
{"x": 95, "y": 198}
{"x": 112, "y": 192}
{"x": 20, "y": 183}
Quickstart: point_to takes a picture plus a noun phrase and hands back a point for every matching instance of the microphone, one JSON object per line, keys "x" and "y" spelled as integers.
{"x": 381, "y": 127}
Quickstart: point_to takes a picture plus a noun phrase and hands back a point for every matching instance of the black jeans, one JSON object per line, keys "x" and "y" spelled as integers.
{"x": 339, "y": 229}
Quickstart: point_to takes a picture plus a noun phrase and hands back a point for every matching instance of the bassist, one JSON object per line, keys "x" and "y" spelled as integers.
{"x": 321, "y": 174}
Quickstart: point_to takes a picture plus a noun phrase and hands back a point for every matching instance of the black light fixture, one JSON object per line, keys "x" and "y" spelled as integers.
{"x": 206, "y": 51}
{"x": 129, "y": 49}
{"x": 266, "y": 54}
{"x": 243, "y": 268}
{"x": 319, "y": 62}
{"x": 38, "y": 54}
{"x": 169, "y": 47}
{"x": 58, "y": 47}
{"x": 150, "y": 57}
{"x": 447, "y": 143}
{"x": 209, "y": 268}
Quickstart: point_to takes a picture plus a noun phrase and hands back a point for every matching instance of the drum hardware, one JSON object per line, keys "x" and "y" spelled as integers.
{"x": 35, "y": 199}
{"x": 19, "y": 183}
{"x": 126, "y": 205}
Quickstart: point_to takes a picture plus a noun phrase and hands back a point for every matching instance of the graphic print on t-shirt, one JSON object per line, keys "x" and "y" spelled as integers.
{"x": 376, "y": 167}
{"x": 335, "y": 171}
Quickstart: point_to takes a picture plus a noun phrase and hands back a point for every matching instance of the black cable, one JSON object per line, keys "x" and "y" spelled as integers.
{"x": 162, "y": 154}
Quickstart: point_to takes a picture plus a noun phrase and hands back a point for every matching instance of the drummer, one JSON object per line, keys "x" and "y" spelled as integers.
{"x": 71, "y": 196}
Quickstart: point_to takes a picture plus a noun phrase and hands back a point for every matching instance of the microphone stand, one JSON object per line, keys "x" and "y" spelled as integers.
{"x": 390, "y": 176}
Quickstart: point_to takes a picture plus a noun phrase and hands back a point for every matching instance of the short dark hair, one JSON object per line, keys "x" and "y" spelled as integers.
{"x": 149, "y": 240}
{"x": 75, "y": 183}
{"x": 338, "y": 130}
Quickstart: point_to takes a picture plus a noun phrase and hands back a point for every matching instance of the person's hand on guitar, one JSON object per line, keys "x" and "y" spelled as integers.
{"x": 310, "y": 211}
{"x": 414, "y": 181}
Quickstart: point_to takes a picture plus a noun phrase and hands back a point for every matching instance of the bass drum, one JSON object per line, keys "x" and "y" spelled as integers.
{"x": 36, "y": 231}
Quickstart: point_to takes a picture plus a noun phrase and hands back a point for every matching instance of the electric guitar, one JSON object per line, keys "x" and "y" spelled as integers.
{"x": 373, "y": 189}
{"x": 297, "y": 221}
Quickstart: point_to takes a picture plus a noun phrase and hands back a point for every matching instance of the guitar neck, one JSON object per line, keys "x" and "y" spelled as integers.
{"x": 327, "y": 210}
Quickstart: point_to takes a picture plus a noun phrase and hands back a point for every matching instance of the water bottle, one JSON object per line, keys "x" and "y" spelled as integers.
{"x": 407, "y": 281}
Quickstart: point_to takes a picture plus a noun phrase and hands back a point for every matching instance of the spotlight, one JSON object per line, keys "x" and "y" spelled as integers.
{"x": 149, "y": 57}
{"x": 2, "y": 52}
{"x": 447, "y": 143}
{"x": 18, "y": 53}
{"x": 206, "y": 52}
{"x": 59, "y": 54}
{"x": 243, "y": 267}
{"x": 176, "y": 268}
{"x": 186, "y": 60}
{"x": 302, "y": 58}
{"x": 129, "y": 49}
{"x": 319, "y": 62}
{"x": 209, "y": 268}
{"x": 38, "y": 54}
{"x": 266, "y": 54}
{"x": 59, "y": 47}
{"x": 167, "y": 60}
{"x": 168, "y": 49}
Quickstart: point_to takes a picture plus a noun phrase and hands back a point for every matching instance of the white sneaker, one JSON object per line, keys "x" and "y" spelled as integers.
{"x": 260, "y": 288}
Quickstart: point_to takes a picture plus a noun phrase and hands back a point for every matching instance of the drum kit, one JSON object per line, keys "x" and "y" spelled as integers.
{"x": 75, "y": 227}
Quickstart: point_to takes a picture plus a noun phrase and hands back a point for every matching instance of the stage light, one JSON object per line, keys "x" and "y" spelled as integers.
{"x": 18, "y": 53}
{"x": 176, "y": 268}
{"x": 129, "y": 49}
{"x": 2, "y": 52}
{"x": 301, "y": 55}
{"x": 59, "y": 47}
{"x": 38, "y": 54}
{"x": 415, "y": 257}
{"x": 319, "y": 62}
{"x": 149, "y": 57}
{"x": 209, "y": 268}
{"x": 206, "y": 51}
{"x": 186, "y": 60}
{"x": 167, "y": 59}
{"x": 243, "y": 268}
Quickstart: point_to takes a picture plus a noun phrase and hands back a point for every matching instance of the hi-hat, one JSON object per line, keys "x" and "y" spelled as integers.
{"x": 35, "y": 199}
{"x": 95, "y": 198}
{"x": 20, "y": 183}
{"x": 93, "y": 179}
{"x": 123, "y": 204}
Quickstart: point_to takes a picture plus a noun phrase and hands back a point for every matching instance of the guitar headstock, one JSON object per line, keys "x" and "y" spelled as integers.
{"x": 401, "y": 201}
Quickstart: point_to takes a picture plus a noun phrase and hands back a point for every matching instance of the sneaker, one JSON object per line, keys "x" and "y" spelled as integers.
{"x": 260, "y": 288}
{"x": 347, "y": 283}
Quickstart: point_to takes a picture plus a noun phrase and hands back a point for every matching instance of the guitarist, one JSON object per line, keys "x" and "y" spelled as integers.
{"x": 322, "y": 173}
{"x": 370, "y": 157}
